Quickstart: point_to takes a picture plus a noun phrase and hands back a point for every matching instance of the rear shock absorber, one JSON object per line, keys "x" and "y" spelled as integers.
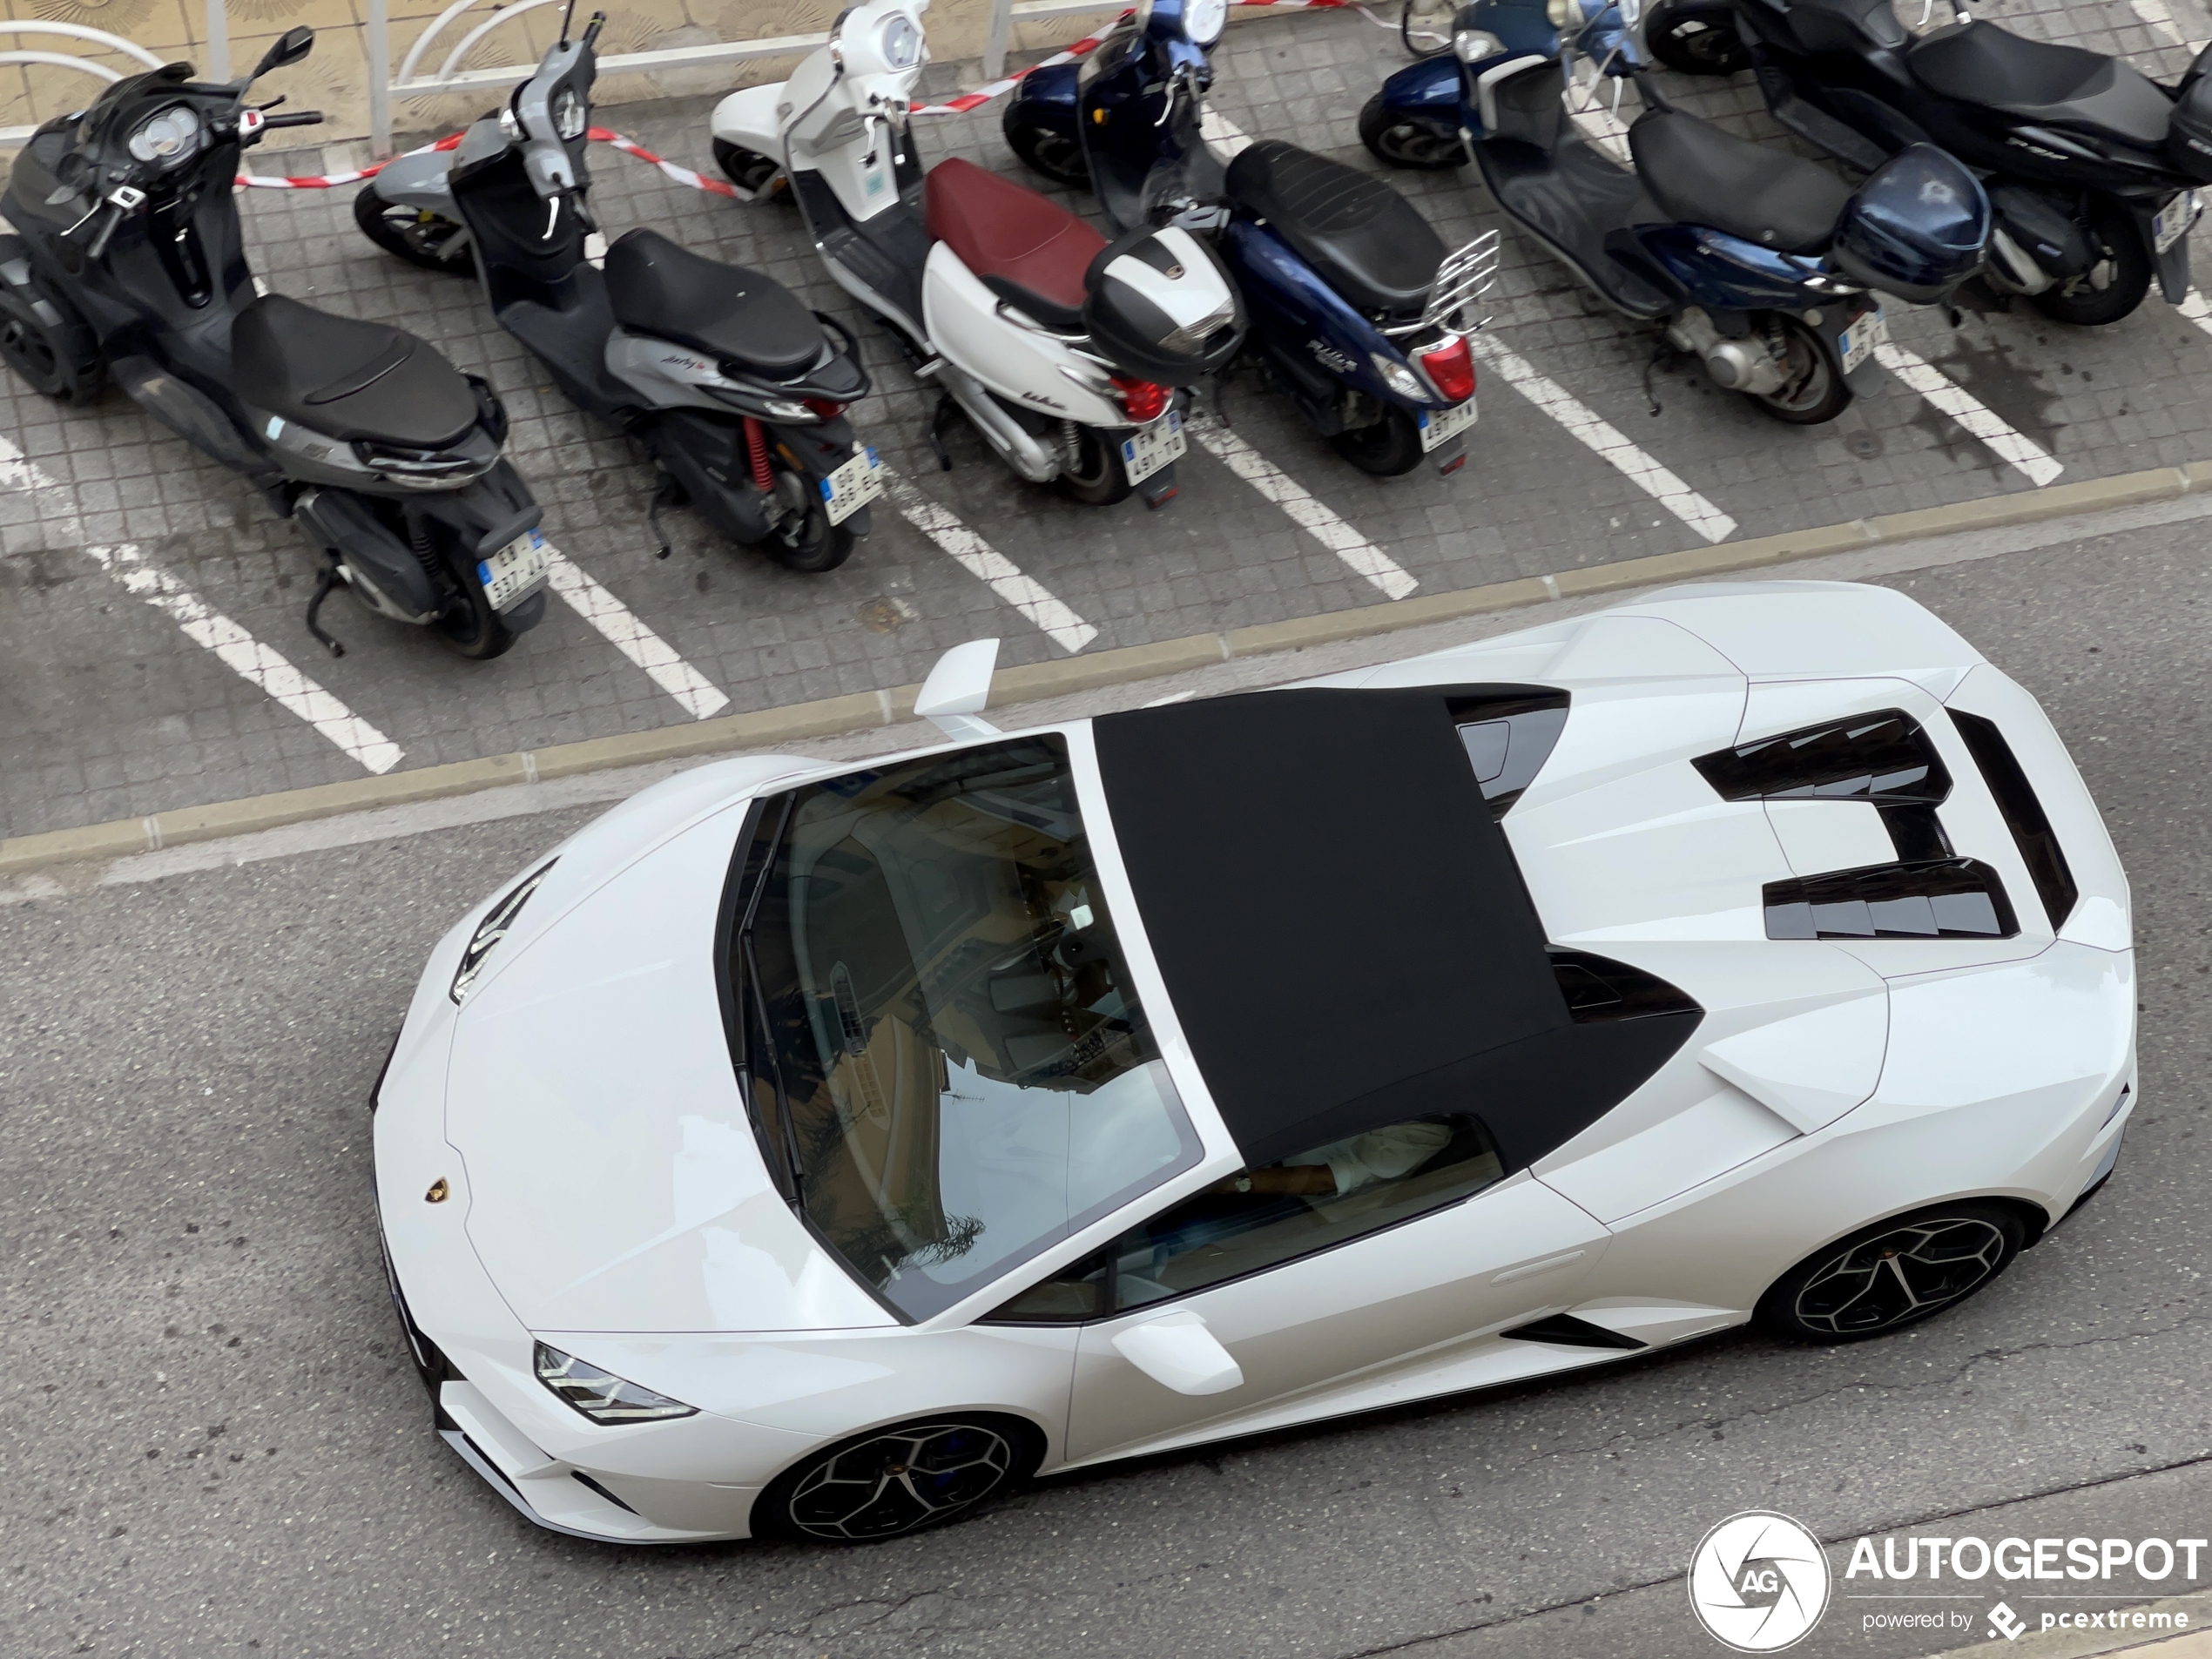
{"x": 756, "y": 444}
{"x": 433, "y": 570}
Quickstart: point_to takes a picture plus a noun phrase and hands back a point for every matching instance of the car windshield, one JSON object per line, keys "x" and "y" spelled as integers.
{"x": 938, "y": 1037}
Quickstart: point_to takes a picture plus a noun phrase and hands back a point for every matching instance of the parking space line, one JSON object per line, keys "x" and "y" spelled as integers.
{"x": 989, "y": 566}
{"x": 1970, "y": 413}
{"x": 1317, "y": 519}
{"x": 1604, "y": 440}
{"x": 620, "y": 626}
{"x": 246, "y": 657}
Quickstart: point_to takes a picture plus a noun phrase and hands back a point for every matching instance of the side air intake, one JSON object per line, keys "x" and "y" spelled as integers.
{"x": 1935, "y": 899}
{"x": 1508, "y": 736}
{"x": 1885, "y": 759}
{"x": 1597, "y": 990}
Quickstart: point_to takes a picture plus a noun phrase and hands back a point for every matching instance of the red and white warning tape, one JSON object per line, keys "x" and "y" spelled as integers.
{"x": 683, "y": 175}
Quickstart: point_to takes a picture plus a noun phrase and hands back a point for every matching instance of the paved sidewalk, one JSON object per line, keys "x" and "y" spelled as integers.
{"x": 175, "y": 671}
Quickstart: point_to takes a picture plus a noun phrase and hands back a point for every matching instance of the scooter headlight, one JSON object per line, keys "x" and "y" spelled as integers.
{"x": 1472, "y": 45}
{"x": 1563, "y": 14}
{"x": 1203, "y": 20}
{"x": 901, "y": 43}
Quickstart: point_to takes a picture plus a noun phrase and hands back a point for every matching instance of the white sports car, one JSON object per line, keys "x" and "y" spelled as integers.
{"x": 811, "y": 1150}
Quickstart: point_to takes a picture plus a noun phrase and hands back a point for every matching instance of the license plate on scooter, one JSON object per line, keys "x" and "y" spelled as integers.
{"x": 853, "y": 486}
{"x": 1440, "y": 426}
{"x": 2172, "y": 222}
{"x": 1151, "y": 448}
{"x": 1856, "y": 342}
{"x": 517, "y": 571}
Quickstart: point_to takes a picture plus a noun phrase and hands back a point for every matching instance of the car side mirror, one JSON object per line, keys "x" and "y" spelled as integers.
{"x": 288, "y": 47}
{"x": 958, "y": 688}
{"x": 1177, "y": 1352}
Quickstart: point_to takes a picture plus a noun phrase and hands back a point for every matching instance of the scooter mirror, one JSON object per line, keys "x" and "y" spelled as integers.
{"x": 289, "y": 48}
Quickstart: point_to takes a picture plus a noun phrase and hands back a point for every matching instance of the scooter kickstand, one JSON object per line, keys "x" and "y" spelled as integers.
{"x": 945, "y": 413}
{"x": 1666, "y": 354}
{"x": 671, "y": 493}
{"x": 329, "y": 580}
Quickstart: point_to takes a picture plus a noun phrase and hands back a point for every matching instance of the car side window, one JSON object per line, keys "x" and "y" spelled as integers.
{"x": 1264, "y": 1216}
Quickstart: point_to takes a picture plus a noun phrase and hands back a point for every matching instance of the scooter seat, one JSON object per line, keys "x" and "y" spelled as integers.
{"x": 347, "y": 379}
{"x": 1032, "y": 252}
{"x": 1984, "y": 65}
{"x": 1700, "y": 174}
{"x": 1367, "y": 241}
{"x": 660, "y": 288}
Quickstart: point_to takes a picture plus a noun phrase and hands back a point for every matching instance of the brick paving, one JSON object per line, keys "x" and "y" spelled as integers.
{"x": 108, "y": 709}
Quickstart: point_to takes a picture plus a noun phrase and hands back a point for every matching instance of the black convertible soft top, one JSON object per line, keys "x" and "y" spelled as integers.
{"x": 1343, "y": 930}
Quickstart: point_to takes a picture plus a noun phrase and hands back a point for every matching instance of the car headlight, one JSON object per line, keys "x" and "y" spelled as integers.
{"x": 1472, "y": 45}
{"x": 601, "y": 1395}
{"x": 492, "y": 929}
{"x": 1398, "y": 377}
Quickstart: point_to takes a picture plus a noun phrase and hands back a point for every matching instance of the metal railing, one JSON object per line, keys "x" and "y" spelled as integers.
{"x": 99, "y": 37}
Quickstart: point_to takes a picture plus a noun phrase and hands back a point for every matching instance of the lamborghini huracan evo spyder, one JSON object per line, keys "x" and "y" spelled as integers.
{"x": 810, "y": 1150}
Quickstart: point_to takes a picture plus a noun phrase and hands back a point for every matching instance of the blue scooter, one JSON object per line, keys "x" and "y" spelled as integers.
{"x": 1763, "y": 266}
{"x": 1354, "y": 301}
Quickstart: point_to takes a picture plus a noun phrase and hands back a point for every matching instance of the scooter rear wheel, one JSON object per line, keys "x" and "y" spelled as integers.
{"x": 812, "y": 543}
{"x": 1402, "y": 143}
{"x": 2081, "y": 302}
{"x": 1097, "y": 479}
{"x": 471, "y": 629}
{"x": 1391, "y": 446}
{"x": 1816, "y": 390}
{"x": 430, "y": 241}
{"x": 1055, "y": 155}
{"x": 1695, "y": 38}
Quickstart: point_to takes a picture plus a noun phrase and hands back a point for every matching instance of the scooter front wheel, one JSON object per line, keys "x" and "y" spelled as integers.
{"x": 1055, "y": 155}
{"x": 58, "y": 359}
{"x": 1813, "y": 389}
{"x": 1403, "y": 142}
{"x": 1388, "y": 448}
{"x": 1097, "y": 479}
{"x": 1695, "y": 38}
{"x": 428, "y": 240}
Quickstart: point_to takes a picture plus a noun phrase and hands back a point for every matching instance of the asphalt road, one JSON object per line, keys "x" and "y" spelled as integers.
{"x": 214, "y": 1443}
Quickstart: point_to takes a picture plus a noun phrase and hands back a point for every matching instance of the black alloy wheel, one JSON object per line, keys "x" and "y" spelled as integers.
{"x": 803, "y": 538}
{"x": 1055, "y": 155}
{"x": 893, "y": 1481}
{"x": 1813, "y": 387}
{"x": 1387, "y": 448}
{"x": 1894, "y": 1273}
{"x": 426, "y": 240}
{"x": 1421, "y": 145}
{"x": 1095, "y": 477}
{"x": 59, "y": 361}
{"x": 1695, "y": 38}
{"x": 2121, "y": 258}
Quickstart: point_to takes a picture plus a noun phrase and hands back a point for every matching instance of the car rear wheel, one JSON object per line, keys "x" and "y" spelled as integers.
{"x": 1894, "y": 1274}
{"x": 893, "y": 1482}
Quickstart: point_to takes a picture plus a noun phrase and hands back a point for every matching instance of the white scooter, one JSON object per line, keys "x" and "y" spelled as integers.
{"x": 1066, "y": 351}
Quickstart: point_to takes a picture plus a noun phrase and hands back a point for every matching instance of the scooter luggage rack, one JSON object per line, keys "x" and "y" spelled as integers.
{"x": 1463, "y": 278}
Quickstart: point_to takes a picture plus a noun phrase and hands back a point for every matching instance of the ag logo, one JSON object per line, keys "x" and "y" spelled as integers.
{"x": 1758, "y": 1582}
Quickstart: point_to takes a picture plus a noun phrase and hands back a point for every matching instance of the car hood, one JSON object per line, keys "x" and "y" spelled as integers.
{"x": 615, "y": 1182}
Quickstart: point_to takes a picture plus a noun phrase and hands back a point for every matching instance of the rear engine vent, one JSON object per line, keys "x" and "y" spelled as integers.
{"x": 1884, "y": 758}
{"x": 1508, "y": 737}
{"x": 2023, "y": 814}
{"x": 1597, "y": 990}
{"x": 1940, "y": 898}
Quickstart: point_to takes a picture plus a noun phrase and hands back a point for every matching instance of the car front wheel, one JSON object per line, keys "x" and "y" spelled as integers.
{"x": 893, "y": 1482}
{"x": 1894, "y": 1274}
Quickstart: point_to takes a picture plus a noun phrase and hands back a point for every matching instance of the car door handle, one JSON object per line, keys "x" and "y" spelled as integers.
{"x": 1177, "y": 1352}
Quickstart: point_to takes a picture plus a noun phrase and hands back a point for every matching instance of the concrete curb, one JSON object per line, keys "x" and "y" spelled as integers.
{"x": 831, "y": 717}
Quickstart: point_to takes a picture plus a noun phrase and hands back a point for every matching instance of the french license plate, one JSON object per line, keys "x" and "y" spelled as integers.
{"x": 853, "y": 486}
{"x": 2172, "y": 222}
{"x": 1439, "y": 425}
{"x": 516, "y": 571}
{"x": 1151, "y": 448}
{"x": 1856, "y": 342}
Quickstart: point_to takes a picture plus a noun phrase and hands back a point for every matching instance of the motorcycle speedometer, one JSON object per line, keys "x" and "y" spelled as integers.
{"x": 900, "y": 42}
{"x": 167, "y": 138}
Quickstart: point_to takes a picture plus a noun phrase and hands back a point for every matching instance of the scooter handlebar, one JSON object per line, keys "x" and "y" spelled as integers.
{"x": 297, "y": 119}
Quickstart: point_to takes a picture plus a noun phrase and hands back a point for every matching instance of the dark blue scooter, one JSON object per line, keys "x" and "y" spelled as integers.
{"x": 1755, "y": 261}
{"x": 1354, "y": 301}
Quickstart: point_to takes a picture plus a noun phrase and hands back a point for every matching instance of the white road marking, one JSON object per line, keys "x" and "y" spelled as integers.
{"x": 1605, "y": 440}
{"x": 1932, "y": 384}
{"x": 1317, "y": 519}
{"x": 2195, "y": 309}
{"x": 248, "y": 657}
{"x": 989, "y": 566}
{"x": 622, "y": 628}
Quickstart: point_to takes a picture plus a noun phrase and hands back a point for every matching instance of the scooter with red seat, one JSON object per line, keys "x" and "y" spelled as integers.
{"x": 1070, "y": 353}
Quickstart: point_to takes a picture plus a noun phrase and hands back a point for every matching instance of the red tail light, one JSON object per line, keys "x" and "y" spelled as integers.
{"x": 1451, "y": 369}
{"x": 1143, "y": 400}
{"x": 824, "y": 407}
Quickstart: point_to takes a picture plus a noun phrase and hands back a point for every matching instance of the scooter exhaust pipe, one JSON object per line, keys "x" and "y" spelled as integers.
{"x": 1025, "y": 454}
{"x": 2016, "y": 269}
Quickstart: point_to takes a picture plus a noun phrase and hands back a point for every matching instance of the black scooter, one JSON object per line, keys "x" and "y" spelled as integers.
{"x": 2090, "y": 165}
{"x": 128, "y": 265}
{"x": 731, "y": 385}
